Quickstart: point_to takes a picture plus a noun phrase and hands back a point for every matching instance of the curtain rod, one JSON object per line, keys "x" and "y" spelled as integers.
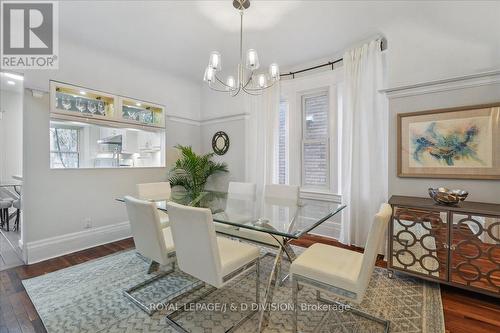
{"x": 330, "y": 63}
{"x": 383, "y": 46}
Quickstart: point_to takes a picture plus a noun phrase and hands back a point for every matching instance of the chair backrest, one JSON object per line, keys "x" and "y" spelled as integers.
{"x": 375, "y": 237}
{"x": 146, "y": 229}
{"x": 281, "y": 193}
{"x": 241, "y": 199}
{"x": 154, "y": 191}
{"x": 238, "y": 190}
{"x": 195, "y": 241}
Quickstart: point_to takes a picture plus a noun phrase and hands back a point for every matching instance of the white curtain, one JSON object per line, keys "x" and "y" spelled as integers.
{"x": 261, "y": 136}
{"x": 364, "y": 141}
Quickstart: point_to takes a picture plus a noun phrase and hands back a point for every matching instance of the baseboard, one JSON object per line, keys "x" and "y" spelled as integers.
{"x": 48, "y": 248}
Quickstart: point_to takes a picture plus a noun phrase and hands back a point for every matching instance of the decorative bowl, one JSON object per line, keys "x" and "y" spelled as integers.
{"x": 444, "y": 196}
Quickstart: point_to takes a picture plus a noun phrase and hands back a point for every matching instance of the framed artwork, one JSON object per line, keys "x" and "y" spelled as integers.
{"x": 462, "y": 143}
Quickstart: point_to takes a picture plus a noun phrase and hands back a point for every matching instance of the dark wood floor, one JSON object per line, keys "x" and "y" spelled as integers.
{"x": 465, "y": 312}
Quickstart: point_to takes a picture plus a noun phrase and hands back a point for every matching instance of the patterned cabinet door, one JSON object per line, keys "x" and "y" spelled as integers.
{"x": 475, "y": 251}
{"x": 420, "y": 242}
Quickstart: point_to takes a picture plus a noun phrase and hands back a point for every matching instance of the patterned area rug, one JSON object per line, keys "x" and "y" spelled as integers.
{"x": 88, "y": 298}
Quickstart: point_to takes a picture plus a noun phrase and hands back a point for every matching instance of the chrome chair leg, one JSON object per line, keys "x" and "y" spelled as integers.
{"x": 178, "y": 328}
{"x": 358, "y": 312}
{"x": 257, "y": 282}
{"x": 295, "y": 291}
{"x": 153, "y": 267}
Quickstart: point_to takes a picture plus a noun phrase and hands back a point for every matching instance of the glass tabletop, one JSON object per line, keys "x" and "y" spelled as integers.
{"x": 11, "y": 183}
{"x": 274, "y": 216}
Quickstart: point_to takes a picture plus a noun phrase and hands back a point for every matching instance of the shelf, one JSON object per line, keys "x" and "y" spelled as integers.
{"x": 83, "y": 103}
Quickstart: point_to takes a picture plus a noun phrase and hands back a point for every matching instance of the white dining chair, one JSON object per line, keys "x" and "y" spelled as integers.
{"x": 273, "y": 194}
{"x": 152, "y": 242}
{"x": 16, "y": 204}
{"x": 280, "y": 193}
{"x": 5, "y": 204}
{"x": 156, "y": 191}
{"x": 342, "y": 272}
{"x": 209, "y": 258}
{"x": 239, "y": 206}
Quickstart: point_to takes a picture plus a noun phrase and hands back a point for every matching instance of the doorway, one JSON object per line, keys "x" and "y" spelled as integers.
{"x": 11, "y": 173}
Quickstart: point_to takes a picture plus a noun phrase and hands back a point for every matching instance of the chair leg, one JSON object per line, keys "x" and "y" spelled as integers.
{"x": 295, "y": 291}
{"x": 6, "y": 217}
{"x": 257, "y": 283}
{"x": 153, "y": 267}
{"x": 16, "y": 222}
{"x": 358, "y": 312}
{"x": 142, "y": 306}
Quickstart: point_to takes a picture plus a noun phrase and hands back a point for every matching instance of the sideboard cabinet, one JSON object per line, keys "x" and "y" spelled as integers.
{"x": 456, "y": 245}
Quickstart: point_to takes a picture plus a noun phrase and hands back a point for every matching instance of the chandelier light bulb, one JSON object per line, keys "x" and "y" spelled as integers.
{"x": 262, "y": 80}
{"x": 274, "y": 71}
{"x": 215, "y": 61}
{"x": 209, "y": 74}
{"x": 230, "y": 82}
{"x": 252, "y": 60}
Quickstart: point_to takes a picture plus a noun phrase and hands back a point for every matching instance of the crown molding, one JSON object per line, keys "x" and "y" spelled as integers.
{"x": 454, "y": 83}
{"x": 209, "y": 121}
{"x": 224, "y": 119}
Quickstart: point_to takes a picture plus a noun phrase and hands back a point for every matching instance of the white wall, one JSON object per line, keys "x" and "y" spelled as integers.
{"x": 235, "y": 156}
{"x": 221, "y": 112}
{"x": 56, "y": 203}
{"x": 462, "y": 93}
{"x": 11, "y": 135}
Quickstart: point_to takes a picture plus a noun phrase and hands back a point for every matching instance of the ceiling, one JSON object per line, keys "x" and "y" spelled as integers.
{"x": 177, "y": 36}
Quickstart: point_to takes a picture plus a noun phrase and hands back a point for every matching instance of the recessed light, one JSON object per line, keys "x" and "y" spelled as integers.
{"x": 83, "y": 93}
{"x": 13, "y": 76}
{"x": 12, "y": 83}
{"x": 138, "y": 104}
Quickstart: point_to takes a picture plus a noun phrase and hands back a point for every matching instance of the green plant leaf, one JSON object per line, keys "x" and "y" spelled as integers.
{"x": 192, "y": 170}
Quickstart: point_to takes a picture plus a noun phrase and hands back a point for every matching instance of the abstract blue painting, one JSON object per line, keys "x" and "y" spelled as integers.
{"x": 462, "y": 142}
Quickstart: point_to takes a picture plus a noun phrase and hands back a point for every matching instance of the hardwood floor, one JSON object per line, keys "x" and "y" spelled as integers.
{"x": 464, "y": 312}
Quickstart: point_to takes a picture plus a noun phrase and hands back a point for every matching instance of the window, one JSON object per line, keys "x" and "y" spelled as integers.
{"x": 315, "y": 141}
{"x": 64, "y": 147}
{"x": 281, "y": 173}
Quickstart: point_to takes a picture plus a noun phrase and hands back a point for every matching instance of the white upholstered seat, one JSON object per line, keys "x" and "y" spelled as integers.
{"x": 156, "y": 191}
{"x": 343, "y": 272}
{"x": 151, "y": 240}
{"x": 331, "y": 265}
{"x": 213, "y": 257}
{"x": 273, "y": 194}
{"x": 234, "y": 255}
{"x": 239, "y": 206}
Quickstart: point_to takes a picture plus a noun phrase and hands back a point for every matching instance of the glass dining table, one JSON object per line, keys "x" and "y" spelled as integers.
{"x": 281, "y": 220}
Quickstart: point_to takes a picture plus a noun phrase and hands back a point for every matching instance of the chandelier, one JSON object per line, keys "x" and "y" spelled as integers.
{"x": 247, "y": 79}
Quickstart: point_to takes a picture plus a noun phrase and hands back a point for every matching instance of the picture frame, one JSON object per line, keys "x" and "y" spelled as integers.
{"x": 456, "y": 143}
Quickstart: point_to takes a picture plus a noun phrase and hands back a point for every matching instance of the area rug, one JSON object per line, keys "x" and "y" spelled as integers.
{"x": 88, "y": 298}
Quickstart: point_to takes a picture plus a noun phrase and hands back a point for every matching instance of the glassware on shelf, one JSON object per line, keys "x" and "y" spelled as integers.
{"x": 91, "y": 106}
{"x": 57, "y": 102}
{"x": 80, "y": 105}
{"x": 100, "y": 108}
{"x": 148, "y": 117}
{"x": 66, "y": 102}
{"x": 141, "y": 116}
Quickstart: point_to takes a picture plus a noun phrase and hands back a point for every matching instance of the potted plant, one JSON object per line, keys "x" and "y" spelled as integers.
{"x": 191, "y": 171}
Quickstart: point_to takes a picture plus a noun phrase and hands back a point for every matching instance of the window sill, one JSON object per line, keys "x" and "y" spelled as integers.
{"x": 320, "y": 195}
